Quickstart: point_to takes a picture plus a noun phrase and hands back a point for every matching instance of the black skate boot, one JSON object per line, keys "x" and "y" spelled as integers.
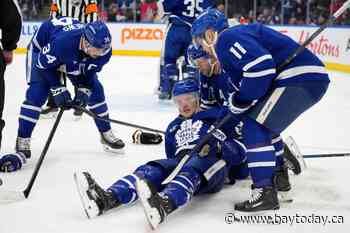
{"x": 95, "y": 199}
{"x": 23, "y": 146}
{"x": 262, "y": 200}
{"x": 111, "y": 143}
{"x": 156, "y": 206}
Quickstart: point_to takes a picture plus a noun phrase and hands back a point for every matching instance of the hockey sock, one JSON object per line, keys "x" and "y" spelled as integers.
{"x": 182, "y": 188}
{"x": 101, "y": 110}
{"x": 28, "y": 118}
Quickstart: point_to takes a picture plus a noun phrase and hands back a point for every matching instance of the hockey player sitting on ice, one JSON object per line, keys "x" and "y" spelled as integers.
{"x": 79, "y": 51}
{"x": 203, "y": 173}
{"x": 214, "y": 92}
{"x": 268, "y": 99}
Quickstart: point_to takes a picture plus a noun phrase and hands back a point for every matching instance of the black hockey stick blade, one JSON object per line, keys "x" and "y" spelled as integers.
{"x": 93, "y": 115}
{"x": 314, "y": 156}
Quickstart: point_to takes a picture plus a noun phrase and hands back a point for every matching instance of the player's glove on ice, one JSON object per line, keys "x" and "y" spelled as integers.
{"x": 82, "y": 96}
{"x": 12, "y": 162}
{"x": 140, "y": 137}
{"x": 61, "y": 97}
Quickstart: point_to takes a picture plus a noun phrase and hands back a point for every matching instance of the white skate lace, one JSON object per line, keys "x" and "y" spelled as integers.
{"x": 109, "y": 136}
{"x": 255, "y": 195}
{"x": 23, "y": 143}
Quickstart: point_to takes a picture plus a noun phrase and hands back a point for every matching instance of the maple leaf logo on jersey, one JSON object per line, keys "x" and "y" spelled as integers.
{"x": 188, "y": 132}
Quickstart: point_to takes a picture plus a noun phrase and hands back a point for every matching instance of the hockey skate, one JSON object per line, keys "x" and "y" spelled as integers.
{"x": 78, "y": 114}
{"x": 49, "y": 112}
{"x": 262, "y": 201}
{"x": 23, "y": 146}
{"x": 292, "y": 157}
{"x": 95, "y": 199}
{"x": 111, "y": 143}
{"x": 155, "y": 205}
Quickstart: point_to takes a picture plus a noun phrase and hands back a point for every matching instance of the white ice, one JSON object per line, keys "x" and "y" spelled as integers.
{"x": 54, "y": 205}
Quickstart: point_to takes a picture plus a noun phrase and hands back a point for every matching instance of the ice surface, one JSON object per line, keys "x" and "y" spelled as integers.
{"x": 54, "y": 205}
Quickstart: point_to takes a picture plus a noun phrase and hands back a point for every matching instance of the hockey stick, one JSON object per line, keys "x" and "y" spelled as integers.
{"x": 314, "y": 156}
{"x": 300, "y": 49}
{"x": 93, "y": 115}
{"x": 10, "y": 196}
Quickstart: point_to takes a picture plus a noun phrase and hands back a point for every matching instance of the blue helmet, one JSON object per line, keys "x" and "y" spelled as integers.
{"x": 195, "y": 52}
{"x": 97, "y": 34}
{"x": 185, "y": 86}
{"x": 211, "y": 18}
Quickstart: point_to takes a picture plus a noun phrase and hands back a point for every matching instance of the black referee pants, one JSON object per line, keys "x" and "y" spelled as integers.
{"x": 2, "y": 92}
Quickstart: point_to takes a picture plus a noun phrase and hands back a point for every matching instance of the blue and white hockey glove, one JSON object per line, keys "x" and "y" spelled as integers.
{"x": 238, "y": 108}
{"x": 12, "y": 162}
{"x": 61, "y": 97}
{"x": 82, "y": 96}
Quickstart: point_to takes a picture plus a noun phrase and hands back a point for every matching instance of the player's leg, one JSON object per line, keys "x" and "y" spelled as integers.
{"x": 199, "y": 175}
{"x": 97, "y": 200}
{"x": 36, "y": 96}
{"x": 2, "y": 93}
{"x": 261, "y": 163}
{"x": 77, "y": 112}
{"x": 97, "y": 104}
{"x": 176, "y": 42}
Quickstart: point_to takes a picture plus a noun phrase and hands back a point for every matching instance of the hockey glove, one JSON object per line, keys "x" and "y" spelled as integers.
{"x": 140, "y": 137}
{"x": 61, "y": 97}
{"x": 12, "y": 162}
{"x": 236, "y": 107}
{"x": 82, "y": 96}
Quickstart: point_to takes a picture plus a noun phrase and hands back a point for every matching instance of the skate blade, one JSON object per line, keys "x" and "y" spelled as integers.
{"x": 10, "y": 196}
{"x": 50, "y": 115}
{"x": 90, "y": 208}
{"x": 77, "y": 118}
{"x": 151, "y": 213}
{"x": 290, "y": 142}
{"x": 285, "y": 197}
{"x": 113, "y": 151}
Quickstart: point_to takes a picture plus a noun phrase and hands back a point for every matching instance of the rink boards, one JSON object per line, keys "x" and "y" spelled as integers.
{"x": 136, "y": 39}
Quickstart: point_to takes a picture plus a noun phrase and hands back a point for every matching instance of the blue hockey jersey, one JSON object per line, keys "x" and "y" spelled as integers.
{"x": 185, "y": 11}
{"x": 215, "y": 90}
{"x": 58, "y": 44}
{"x": 183, "y": 134}
{"x": 250, "y": 55}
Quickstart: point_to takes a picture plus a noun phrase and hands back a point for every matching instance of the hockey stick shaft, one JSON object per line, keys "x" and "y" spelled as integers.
{"x": 300, "y": 49}
{"x": 314, "y": 156}
{"x": 93, "y": 115}
{"x": 26, "y": 192}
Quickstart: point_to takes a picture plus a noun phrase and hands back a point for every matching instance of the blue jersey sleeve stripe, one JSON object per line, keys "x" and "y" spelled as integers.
{"x": 259, "y": 74}
{"x": 300, "y": 70}
{"x": 257, "y": 61}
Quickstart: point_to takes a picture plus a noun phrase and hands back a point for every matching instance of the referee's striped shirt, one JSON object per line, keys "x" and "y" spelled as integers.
{"x": 83, "y": 10}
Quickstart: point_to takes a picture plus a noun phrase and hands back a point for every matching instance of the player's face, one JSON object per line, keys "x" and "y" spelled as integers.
{"x": 92, "y": 51}
{"x": 187, "y": 104}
